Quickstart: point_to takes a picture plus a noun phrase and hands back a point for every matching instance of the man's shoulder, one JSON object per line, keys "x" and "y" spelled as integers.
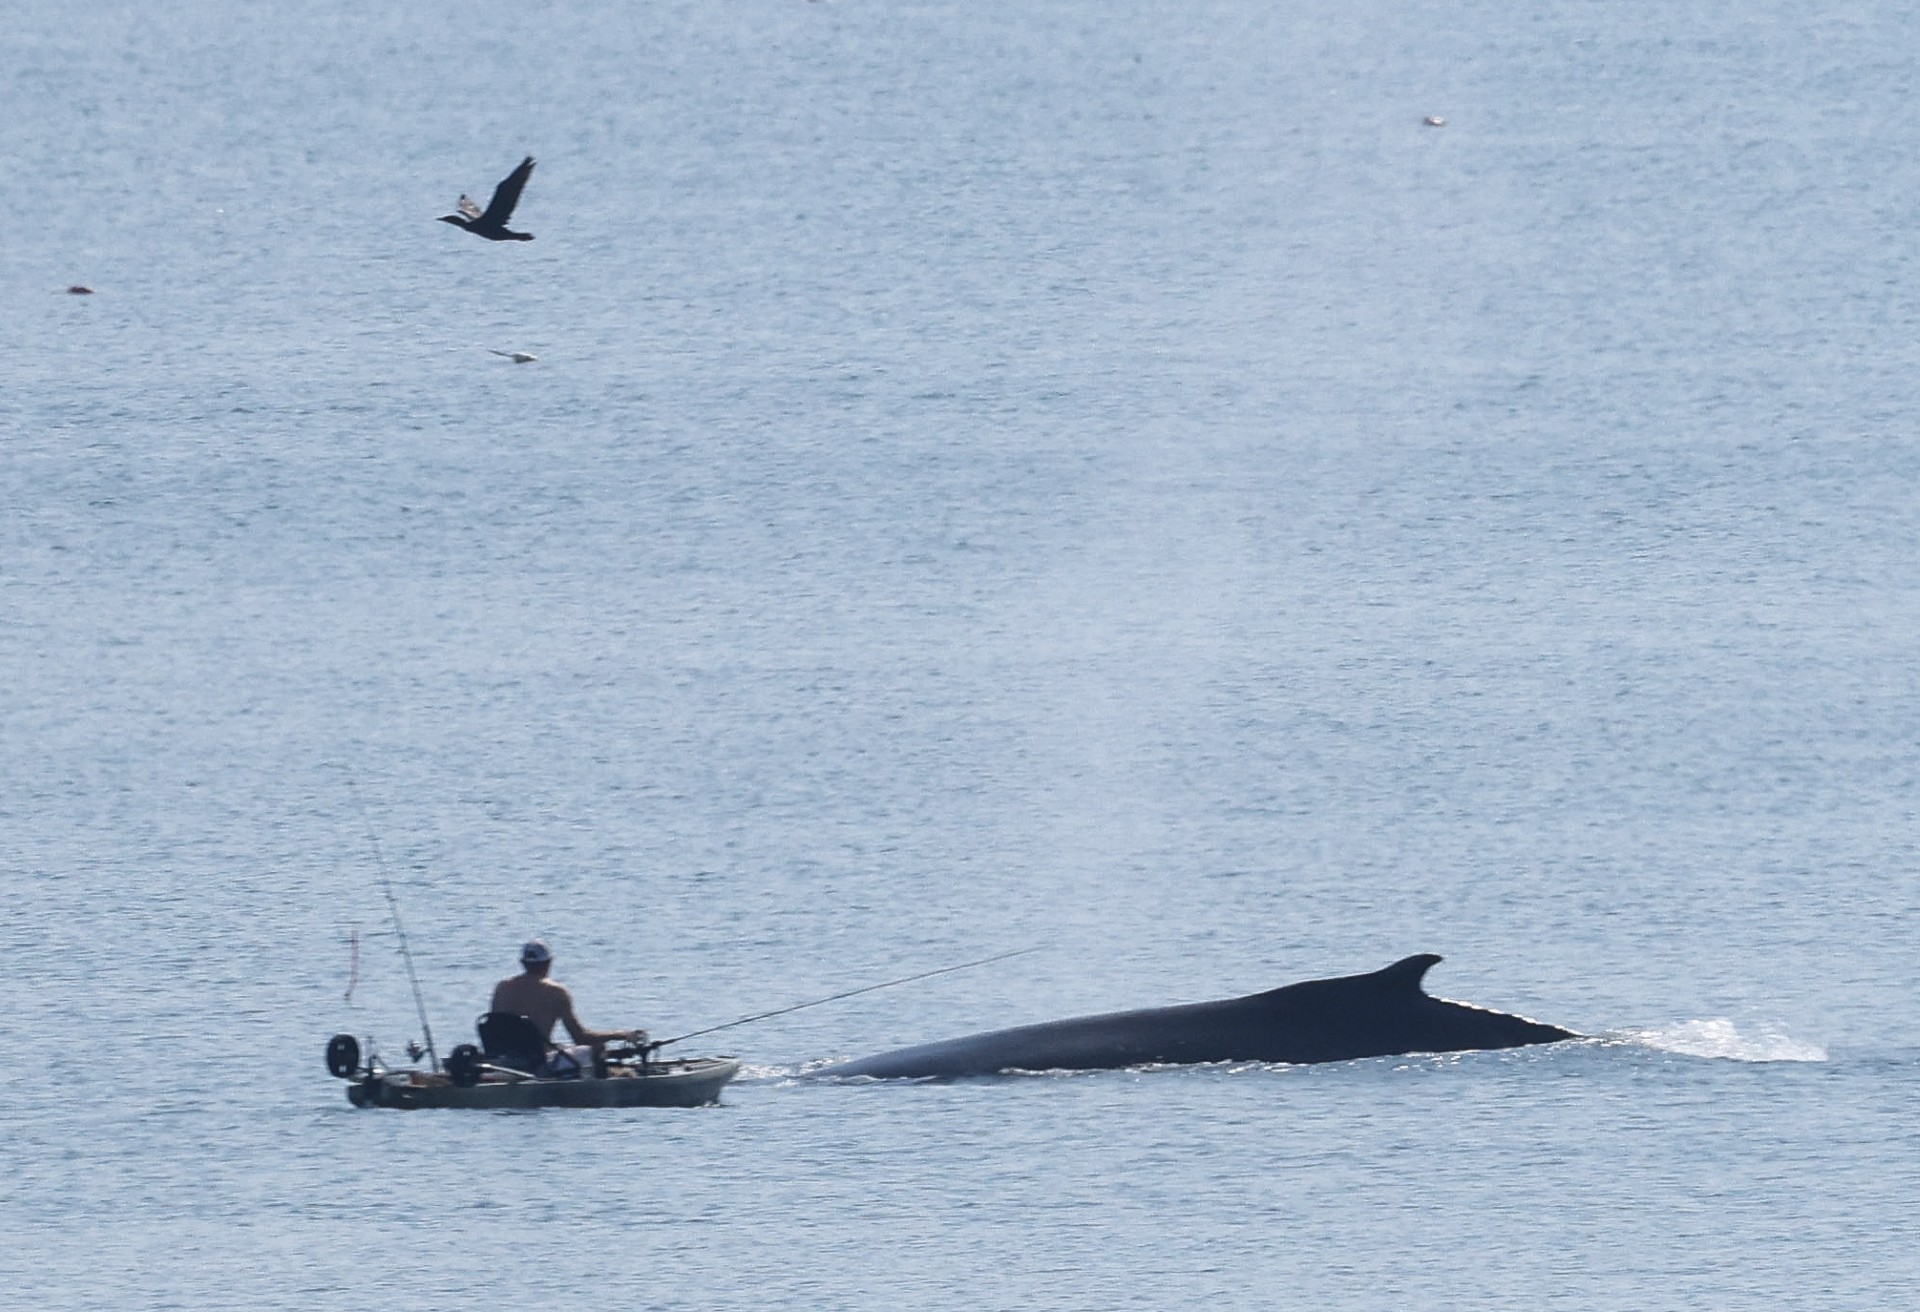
{"x": 520, "y": 987}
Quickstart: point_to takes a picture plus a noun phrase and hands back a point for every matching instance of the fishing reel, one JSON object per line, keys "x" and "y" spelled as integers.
{"x": 639, "y": 1048}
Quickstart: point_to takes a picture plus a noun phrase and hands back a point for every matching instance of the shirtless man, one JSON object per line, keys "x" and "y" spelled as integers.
{"x": 542, "y": 1001}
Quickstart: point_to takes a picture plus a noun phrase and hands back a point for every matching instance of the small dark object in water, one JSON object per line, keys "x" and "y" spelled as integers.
{"x": 518, "y": 357}
{"x": 491, "y": 223}
{"x": 79, "y": 289}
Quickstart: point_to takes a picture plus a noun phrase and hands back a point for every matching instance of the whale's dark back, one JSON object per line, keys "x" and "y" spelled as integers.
{"x": 1322, "y": 1020}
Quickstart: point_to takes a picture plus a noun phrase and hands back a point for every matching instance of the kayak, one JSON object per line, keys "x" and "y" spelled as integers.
{"x": 692, "y": 1082}
{"x": 471, "y": 1083}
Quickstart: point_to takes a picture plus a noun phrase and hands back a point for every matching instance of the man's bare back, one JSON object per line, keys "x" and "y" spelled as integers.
{"x": 545, "y": 1002}
{"x": 541, "y": 1001}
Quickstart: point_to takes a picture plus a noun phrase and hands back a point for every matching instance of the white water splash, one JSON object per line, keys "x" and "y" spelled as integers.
{"x": 1720, "y": 1037}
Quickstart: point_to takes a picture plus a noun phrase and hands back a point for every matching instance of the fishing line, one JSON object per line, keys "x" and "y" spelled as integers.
{"x": 353, "y": 964}
{"x": 393, "y": 905}
{"x": 802, "y": 1006}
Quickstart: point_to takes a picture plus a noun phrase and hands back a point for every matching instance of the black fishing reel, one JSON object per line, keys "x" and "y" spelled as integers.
{"x": 637, "y": 1049}
{"x": 464, "y": 1066}
{"x": 343, "y": 1057}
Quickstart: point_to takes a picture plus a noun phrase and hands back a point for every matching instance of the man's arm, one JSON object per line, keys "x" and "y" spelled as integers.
{"x": 581, "y": 1034}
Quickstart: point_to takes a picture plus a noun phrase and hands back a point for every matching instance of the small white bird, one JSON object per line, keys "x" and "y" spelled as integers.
{"x": 518, "y": 357}
{"x": 1434, "y": 121}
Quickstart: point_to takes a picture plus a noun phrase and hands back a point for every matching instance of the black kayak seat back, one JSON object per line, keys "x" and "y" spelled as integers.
{"x": 511, "y": 1039}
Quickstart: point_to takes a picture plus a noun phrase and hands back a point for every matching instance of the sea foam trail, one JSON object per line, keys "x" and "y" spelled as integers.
{"x": 1720, "y": 1037}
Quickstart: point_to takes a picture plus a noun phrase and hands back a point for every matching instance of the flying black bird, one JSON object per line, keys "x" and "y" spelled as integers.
{"x": 492, "y": 224}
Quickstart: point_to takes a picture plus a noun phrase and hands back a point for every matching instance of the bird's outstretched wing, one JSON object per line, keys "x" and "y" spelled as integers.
{"x": 507, "y": 194}
{"x": 469, "y": 208}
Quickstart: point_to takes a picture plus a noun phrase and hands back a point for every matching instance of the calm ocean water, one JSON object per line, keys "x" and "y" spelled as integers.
{"x": 1105, "y": 478}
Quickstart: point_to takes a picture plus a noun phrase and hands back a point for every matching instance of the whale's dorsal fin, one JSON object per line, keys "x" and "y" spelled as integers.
{"x": 1407, "y": 974}
{"x": 1401, "y": 978}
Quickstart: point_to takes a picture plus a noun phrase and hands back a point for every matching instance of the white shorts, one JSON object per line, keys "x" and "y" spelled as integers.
{"x": 573, "y": 1061}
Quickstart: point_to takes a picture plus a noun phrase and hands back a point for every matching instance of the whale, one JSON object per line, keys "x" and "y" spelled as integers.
{"x": 1385, "y": 1013}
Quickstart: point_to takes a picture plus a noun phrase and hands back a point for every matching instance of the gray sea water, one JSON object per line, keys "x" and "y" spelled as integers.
{"x": 1104, "y": 478}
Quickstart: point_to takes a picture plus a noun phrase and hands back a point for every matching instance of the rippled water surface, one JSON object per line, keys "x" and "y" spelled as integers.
{"x": 1104, "y": 478}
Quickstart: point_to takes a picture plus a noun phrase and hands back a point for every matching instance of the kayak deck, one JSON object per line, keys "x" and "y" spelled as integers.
{"x": 693, "y": 1082}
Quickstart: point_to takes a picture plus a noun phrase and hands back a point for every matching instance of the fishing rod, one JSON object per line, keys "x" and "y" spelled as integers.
{"x": 802, "y": 1006}
{"x": 393, "y": 905}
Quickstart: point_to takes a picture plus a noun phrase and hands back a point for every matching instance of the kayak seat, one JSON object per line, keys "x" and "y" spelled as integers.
{"x": 510, "y": 1039}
